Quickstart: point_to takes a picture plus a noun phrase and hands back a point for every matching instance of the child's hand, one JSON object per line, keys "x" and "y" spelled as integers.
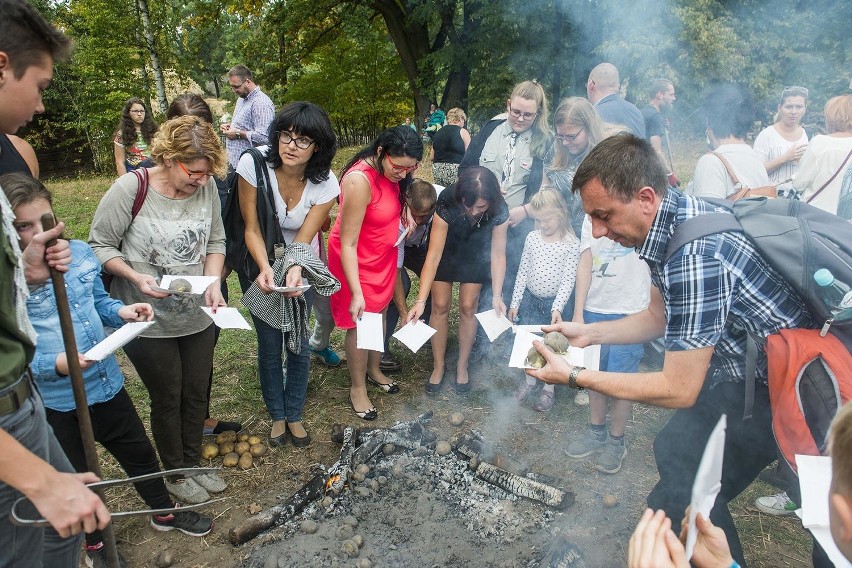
{"x": 136, "y": 312}
{"x": 512, "y": 315}
{"x": 555, "y": 317}
{"x": 62, "y": 363}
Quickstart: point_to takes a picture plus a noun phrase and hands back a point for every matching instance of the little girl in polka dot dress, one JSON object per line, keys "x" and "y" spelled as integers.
{"x": 546, "y": 277}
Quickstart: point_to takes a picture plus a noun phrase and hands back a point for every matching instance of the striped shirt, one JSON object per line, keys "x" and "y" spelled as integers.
{"x": 715, "y": 287}
{"x": 252, "y": 115}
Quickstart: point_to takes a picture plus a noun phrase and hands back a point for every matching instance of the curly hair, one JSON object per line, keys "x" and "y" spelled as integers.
{"x": 188, "y": 138}
{"x": 127, "y": 127}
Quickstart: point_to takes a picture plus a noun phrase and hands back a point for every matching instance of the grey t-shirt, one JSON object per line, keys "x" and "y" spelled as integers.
{"x": 168, "y": 236}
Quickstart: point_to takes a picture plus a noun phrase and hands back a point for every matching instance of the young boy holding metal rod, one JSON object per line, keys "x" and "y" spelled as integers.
{"x": 115, "y": 423}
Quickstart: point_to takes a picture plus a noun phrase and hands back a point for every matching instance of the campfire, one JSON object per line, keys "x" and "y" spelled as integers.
{"x": 398, "y": 496}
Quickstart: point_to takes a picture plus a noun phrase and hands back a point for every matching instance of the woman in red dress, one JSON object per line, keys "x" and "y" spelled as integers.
{"x": 362, "y": 250}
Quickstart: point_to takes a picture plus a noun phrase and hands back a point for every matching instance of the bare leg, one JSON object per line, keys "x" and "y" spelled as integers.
{"x": 468, "y": 301}
{"x": 356, "y": 360}
{"x": 442, "y": 295}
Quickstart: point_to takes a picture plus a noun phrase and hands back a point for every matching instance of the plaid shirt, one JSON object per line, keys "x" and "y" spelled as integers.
{"x": 252, "y": 115}
{"x": 715, "y": 287}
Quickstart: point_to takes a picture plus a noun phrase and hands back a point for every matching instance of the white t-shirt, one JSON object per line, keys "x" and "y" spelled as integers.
{"x": 770, "y": 145}
{"x": 314, "y": 194}
{"x": 711, "y": 179}
{"x": 821, "y": 160}
{"x": 621, "y": 281}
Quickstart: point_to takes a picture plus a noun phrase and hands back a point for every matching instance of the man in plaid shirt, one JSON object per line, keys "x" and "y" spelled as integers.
{"x": 703, "y": 300}
{"x": 253, "y": 114}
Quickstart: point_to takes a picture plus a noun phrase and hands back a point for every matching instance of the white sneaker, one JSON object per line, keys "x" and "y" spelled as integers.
{"x": 779, "y": 504}
{"x": 581, "y": 398}
{"x": 212, "y": 482}
{"x": 186, "y": 490}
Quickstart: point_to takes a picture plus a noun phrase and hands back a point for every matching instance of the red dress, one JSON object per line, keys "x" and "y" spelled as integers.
{"x": 376, "y": 251}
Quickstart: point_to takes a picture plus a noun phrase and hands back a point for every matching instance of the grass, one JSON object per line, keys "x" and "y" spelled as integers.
{"x": 769, "y": 541}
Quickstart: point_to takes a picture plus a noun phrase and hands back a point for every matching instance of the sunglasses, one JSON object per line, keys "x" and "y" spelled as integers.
{"x": 194, "y": 176}
{"x": 400, "y": 169}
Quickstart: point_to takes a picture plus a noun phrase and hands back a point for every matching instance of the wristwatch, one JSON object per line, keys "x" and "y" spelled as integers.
{"x": 572, "y": 378}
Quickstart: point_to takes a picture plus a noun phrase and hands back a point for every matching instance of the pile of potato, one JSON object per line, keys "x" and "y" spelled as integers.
{"x": 235, "y": 449}
{"x": 554, "y": 341}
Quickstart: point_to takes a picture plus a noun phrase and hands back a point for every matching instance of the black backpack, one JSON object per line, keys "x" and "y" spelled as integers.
{"x": 237, "y": 255}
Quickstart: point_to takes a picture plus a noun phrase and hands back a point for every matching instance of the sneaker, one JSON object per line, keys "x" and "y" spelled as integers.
{"x": 523, "y": 391}
{"x": 544, "y": 402}
{"x": 585, "y": 446}
{"x": 610, "y": 457}
{"x": 211, "y": 482}
{"x": 388, "y": 363}
{"x": 186, "y": 490}
{"x": 581, "y": 398}
{"x": 187, "y": 522}
{"x": 779, "y": 504}
{"x": 328, "y": 356}
{"x": 97, "y": 557}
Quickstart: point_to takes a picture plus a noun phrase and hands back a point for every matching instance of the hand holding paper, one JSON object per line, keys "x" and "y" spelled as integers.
{"x": 118, "y": 339}
{"x": 370, "y": 332}
{"x": 227, "y": 318}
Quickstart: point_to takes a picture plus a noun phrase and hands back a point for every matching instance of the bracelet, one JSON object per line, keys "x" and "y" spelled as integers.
{"x": 572, "y": 379}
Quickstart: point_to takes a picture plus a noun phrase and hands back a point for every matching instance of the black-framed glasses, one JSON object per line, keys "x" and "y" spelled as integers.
{"x": 301, "y": 141}
{"x": 522, "y": 115}
{"x": 568, "y": 137}
{"x": 235, "y": 87}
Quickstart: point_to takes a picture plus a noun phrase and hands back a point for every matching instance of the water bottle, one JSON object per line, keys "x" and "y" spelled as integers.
{"x": 835, "y": 294}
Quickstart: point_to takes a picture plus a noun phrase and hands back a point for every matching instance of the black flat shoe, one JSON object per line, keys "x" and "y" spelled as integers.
{"x": 370, "y": 414}
{"x": 279, "y": 441}
{"x": 223, "y": 426}
{"x": 433, "y": 388}
{"x": 462, "y": 388}
{"x": 389, "y": 388}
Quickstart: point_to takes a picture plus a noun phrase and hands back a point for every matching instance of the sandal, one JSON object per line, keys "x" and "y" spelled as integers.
{"x": 370, "y": 414}
{"x": 389, "y": 388}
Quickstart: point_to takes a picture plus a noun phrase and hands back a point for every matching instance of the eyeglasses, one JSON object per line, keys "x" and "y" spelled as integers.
{"x": 301, "y": 142}
{"x": 398, "y": 169}
{"x": 522, "y": 115}
{"x": 195, "y": 176}
{"x": 568, "y": 137}
{"x": 140, "y": 111}
{"x": 235, "y": 87}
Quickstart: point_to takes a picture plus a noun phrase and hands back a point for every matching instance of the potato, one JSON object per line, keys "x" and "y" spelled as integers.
{"x": 230, "y": 460}
{"x": 226, "y": 448}
{"x": 254, "y": 440}
{"x": 242, "y": 437}
{"x": 230, "y": 436}
{"x": 557, "y": 342}
{"x": 535, "y": 359}
{"x": 242, "y": 447}
{"x": 209, "y": 451}
{"x": 258, "y": 450}
{"x": 245, "y": 461}
{"x": 180, "y": 285}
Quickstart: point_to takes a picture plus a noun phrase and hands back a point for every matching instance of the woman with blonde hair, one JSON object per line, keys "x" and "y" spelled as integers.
{"x": 177, "y": 231}
{"x": 578, "y": 130}
{"x": 448, "y": 147}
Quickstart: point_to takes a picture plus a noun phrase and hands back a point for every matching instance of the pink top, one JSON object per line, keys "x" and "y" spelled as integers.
{"x": 376, "y": 250}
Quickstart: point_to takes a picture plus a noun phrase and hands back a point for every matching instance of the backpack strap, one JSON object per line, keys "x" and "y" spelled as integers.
{"x": 701, "y": 226}
{"x": 141, "y": 192}
{"x": 728, "y": 167}
{"x": 831, "y": 179}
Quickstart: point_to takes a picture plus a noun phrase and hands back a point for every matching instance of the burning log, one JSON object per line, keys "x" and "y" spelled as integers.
{"x": 524, "y": 487}
{"x": 265, "y": 520}
{"x": 342, "y": 470}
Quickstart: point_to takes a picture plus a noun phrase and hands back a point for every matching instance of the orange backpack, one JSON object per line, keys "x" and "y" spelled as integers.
{"x": 810, "y": 378}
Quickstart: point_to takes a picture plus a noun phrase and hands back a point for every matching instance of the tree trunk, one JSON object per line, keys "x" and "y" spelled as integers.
{"x": 152, "y": 51}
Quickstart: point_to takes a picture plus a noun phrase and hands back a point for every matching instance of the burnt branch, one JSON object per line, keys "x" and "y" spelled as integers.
{"x": 524, "y": 487}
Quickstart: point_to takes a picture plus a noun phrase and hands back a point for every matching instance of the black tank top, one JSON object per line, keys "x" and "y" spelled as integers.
{"x": 10, "y": 159}
{"x": 448, "y": 145}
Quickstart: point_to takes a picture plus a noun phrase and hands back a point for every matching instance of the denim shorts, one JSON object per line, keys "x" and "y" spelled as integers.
{"x": 616, "y": 358}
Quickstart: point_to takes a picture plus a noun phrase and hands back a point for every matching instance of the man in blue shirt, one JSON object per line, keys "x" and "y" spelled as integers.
{"x": 705, "y": 297}
{"x": 602, "y": 89}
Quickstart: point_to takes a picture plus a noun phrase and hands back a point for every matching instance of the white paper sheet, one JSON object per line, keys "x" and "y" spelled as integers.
{"x": 370, "y": 332}
{"x": 199, "y": 284}
{"x": 826, "y": 541}
{"x": 708, "y": 482}
{"x": 227, "y": 318}
{"x": 413, "y": 335}
{"x": 403, "y": 233}
{"x": 815, "y": 483}
{"x": 529, "y": 328}
{"x": 493, "y": 324}
{"x": 588, "y": 357}
{"x": 117, "y": 339}
{"x": 302, "y": 288}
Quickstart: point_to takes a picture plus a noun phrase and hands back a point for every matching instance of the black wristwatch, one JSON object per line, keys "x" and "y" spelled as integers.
{"x": 572, "y": 378}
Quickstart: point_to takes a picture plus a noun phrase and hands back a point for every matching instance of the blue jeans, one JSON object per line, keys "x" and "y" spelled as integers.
{"x": 616, "y": 358}
{"x": 284, "y": 399}
{"x": 534, "y": 310}
{"x": 25, "y": 546}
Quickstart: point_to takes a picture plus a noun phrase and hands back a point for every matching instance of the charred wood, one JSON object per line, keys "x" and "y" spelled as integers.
{"x": 524, "y": 487}
{"x": 562, "y": 553}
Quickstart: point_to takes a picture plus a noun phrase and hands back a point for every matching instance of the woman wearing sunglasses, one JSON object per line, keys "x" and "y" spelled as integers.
{"x": 177, "y": 231}
{"x": 362, "y": 251}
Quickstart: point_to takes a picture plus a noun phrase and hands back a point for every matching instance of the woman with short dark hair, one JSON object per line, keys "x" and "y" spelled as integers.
{"x": 467, "y": 245}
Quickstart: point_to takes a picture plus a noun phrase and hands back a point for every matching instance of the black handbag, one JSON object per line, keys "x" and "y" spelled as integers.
{"x": 237, "y": 255}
